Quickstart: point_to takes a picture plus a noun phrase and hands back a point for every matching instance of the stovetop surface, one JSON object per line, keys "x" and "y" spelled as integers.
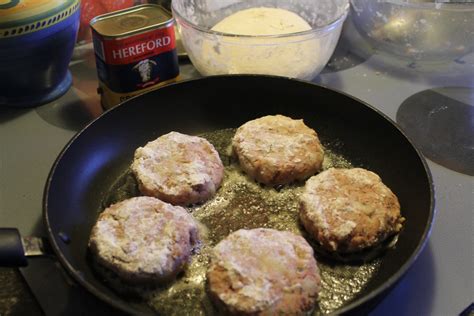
{"x": 432, "y": 102}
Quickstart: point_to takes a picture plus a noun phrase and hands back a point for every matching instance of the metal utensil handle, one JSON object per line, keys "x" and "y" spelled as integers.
{"x": 12, "y": 253}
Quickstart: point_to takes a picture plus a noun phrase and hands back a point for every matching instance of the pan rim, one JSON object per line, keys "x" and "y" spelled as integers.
{"x": 121, "y": 305}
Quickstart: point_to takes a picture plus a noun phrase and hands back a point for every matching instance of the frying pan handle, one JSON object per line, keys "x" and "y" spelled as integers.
{"x": 12, "y": 253}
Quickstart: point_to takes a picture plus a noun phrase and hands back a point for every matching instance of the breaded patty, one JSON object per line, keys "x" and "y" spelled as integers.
{"x": 178, "y": 168}
{"x": 348, "y": 210}
{"x": 277, "y": 150}
{"x": 144, "y": 240}
{"x": 263, "y": 272}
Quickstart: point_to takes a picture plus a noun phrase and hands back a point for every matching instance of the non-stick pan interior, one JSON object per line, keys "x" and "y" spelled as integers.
{"x": 97, "y": 156}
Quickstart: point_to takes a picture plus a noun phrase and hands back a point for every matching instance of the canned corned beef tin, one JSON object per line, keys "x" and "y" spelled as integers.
{"x": 135, "y": 51}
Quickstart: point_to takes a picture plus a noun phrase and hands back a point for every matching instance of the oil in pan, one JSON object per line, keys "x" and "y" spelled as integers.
{"x": 242, "y": 203}
{"x": 135, "y": 52}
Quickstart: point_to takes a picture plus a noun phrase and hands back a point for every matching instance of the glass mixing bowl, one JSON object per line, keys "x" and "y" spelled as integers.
{"x": 297, "y": 55}
{"x": 417, "y": 29}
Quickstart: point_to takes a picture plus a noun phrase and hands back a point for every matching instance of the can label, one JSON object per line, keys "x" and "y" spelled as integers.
{"x": 131, "y": 64}
{"x": 137, "y": 62}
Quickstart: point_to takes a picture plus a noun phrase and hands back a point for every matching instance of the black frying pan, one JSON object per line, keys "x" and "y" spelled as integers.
{"x": 91, "y": 163}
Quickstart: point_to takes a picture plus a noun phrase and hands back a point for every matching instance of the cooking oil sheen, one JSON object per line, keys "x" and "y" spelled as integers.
{"x": 241, "y": 203}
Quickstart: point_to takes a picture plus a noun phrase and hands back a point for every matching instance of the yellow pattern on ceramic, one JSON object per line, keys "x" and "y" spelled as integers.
{"x": 19, "y": 17}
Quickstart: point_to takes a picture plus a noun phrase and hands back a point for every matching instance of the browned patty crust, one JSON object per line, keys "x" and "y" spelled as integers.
{"x": 264, "y": 272}
{"x": 277, "y": 150}
{"x": 144, "y": 240}
{"x": 348, "y": 210}
{"x": 178, "y": 168}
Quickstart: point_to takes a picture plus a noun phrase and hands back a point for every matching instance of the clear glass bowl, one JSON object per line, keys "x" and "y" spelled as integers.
{"x": 297, "y": 55}
{"x": 417, "y": 29}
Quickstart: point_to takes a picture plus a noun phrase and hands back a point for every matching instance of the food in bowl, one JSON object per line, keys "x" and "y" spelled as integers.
{"x": 262, "y": 21}
{"x": 294, "y": 39}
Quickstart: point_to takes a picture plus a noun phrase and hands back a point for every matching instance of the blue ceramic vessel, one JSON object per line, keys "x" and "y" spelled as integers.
{"x": 37, "y": 38}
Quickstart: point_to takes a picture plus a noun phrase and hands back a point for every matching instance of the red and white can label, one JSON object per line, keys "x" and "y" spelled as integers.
{"x": 137, "y": 62}
{"x": 135, "y": 48}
